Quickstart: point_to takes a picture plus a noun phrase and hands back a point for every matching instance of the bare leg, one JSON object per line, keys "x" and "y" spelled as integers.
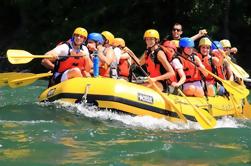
{"x": 189, "y": 91}
{"x": 74, "y": 72}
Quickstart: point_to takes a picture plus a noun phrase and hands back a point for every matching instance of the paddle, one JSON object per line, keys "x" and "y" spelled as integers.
{"x": 167, "y": 101}
{"x": 237, "y": 70}
{"x": 22, "y": 57}
{"x": 207, "y": 121}
{"x": 15, "y": 83}
{"x": 4, "y": 77}
{"x": 231, "y": 86}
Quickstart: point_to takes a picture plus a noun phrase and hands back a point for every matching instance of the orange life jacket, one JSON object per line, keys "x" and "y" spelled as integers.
{"x": 219, "y": 69}
{"x": 124, "y": 67}
{"x": 154, "y": 67}
{"x": 71, "y": 61}
{"x": 208, "y": 63}
{"x": 190, "y": 69}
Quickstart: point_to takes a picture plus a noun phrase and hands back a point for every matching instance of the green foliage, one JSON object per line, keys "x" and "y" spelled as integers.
{"x": 38, "y": 25}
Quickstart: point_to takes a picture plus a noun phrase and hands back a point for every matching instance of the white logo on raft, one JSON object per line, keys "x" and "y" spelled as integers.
{"x": 145, "y": 98}
{"x": 51, "y": 92}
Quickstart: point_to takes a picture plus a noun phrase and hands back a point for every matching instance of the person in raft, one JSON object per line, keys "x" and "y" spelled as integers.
{"x": 157, "y": 65}
{"x": 70, "y": 59}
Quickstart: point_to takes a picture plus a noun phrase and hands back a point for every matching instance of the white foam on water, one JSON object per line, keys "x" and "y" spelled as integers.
{"x": 133, "y": 121}
{"x": 230, "y": 122}
{"x": 143, "y": 121}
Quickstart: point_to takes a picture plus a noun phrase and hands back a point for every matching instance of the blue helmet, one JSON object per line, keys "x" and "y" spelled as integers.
{"x": 186, "y": 42}
{"x": 216, "y": 45}
{"x": 97, "y": 37}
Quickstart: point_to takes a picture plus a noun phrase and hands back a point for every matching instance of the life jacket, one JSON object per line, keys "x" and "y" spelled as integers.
{"x": 123, "y": 67}
{"x": 154, "y": 67}
{"x": 208, "y": 63}
{"x": 190, "y": 69}
{"x": 220, "y": 68}
{"x": 74, "y": 59}
{"x": 170, "y": 52}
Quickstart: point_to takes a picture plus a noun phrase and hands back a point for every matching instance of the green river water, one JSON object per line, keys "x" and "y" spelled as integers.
{"x": 37, "y": 134}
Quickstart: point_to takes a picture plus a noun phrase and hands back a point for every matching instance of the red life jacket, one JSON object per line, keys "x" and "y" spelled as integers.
{"x": 190, "y": 69}
{"x": 219, "y": 69}
{"x": 124, "y": 67}
{"x": 208, "y": 63}
{"x": 70, "y": 62}
{"x": 154, "y": 67}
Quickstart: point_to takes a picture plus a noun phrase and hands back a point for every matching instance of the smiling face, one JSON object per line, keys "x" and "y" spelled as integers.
{"x": 78, "y": 39}
{"x": 204, "y": 50}
{"x": 177, "y": 32}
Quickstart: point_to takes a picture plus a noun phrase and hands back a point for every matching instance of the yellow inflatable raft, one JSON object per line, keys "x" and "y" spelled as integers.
{"x": 130, "y": 98}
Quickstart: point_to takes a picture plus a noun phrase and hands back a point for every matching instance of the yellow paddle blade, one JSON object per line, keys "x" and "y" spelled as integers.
{"x": 4, "y": 77}
{"x": 247, "y": 109}
{"x": 238, "y": 71}
{"x": 15, "y": 83}
{"x": 237, "y": 90}
{"x": 22, "y": 57}
{"x": 206, "y": 120}
{"x": 19, "y": 56}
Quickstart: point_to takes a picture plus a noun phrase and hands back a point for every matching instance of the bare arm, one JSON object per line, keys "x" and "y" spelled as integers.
{"x": 108, "y": 58}
{"x": 48, "y": 63}
{"x": 201, "y": 33}
{"x": 200, "y": 65}
{"x": 142, "y": 59}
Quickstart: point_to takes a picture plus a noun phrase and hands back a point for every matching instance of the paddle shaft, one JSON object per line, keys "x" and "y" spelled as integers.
{"x": 199, "y": 112}
{"x": 215, "y": 76}
{"x": 133, "y": 56}
{"x": 228, "y": 60}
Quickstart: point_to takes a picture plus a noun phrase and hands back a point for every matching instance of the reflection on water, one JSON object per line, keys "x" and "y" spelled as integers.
{"x": 56, "y": 134}
{"x": 77, "y": 151}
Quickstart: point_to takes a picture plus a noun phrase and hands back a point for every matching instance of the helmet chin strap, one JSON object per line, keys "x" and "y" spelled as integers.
{"x": 152, "y": 46}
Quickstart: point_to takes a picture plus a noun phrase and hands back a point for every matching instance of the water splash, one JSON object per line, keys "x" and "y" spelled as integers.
{"x": 147, "y": 122}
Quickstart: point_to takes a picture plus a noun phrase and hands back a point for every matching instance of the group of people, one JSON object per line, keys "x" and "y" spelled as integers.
{"x": 170, "y": 63}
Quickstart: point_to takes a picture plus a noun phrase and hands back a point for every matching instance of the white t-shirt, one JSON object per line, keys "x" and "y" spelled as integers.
{"x": 117, "y": 52}
{"x": 176, "y": 64}
{"x": 63, "y": 50}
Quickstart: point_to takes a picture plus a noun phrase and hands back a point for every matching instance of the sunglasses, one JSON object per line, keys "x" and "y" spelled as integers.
{"x": 178, "y": 30}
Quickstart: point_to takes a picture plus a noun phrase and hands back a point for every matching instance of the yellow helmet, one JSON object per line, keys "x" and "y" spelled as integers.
{"x": 108, "y": 36}
{"x": 205, "y": 41}
{"x": 225, "y": 43}
{"x": 81, "y": 31}
{"x": 151, "y": 33}
{"x": 176, "y": 43}
{"x": 118, "y": 42}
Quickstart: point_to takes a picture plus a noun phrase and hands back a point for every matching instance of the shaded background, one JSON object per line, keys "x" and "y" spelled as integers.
{"x": 37, "y": 26}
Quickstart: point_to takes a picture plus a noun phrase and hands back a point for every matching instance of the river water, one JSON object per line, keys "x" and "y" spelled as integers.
{"x": 38, "y": 134}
